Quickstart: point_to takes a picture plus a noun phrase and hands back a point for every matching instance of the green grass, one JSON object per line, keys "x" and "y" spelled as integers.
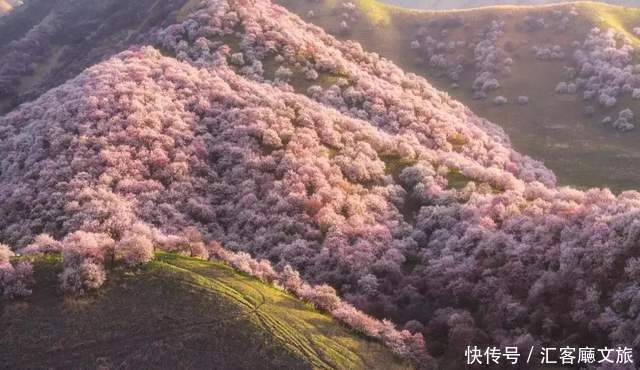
{"x": 178, "y": 312}
{"x": 456, "y": 180}
{"x": 376, "y": 12}
{"x": 622, "y": 19}
{"x": 395, "y": 164}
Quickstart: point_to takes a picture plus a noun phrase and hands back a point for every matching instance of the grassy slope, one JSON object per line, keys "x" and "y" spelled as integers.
{"x": 553, "y": 129}
{"x": 177, "y": 312}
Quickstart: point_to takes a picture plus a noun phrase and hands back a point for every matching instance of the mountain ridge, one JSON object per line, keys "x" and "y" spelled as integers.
{"x": 269, "y": 135}
{"x": 561, "y": 129}
{"x": 477, "y": 4}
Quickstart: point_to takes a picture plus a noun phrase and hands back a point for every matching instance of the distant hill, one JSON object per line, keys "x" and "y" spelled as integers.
{"x": 177, "y": 312}
{"x": 457, "y": 4}
{"x": 552, "y": 127}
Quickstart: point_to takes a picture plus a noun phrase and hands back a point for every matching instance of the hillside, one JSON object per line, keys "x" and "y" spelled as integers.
{"x": 46, "y": 42}
{"x": 557, "y": 128}
{"x": 458, "y": 4}
{"x": 246, "y": 126}
{"x": 580, "y": 149}
{"x": 177, "y": 312}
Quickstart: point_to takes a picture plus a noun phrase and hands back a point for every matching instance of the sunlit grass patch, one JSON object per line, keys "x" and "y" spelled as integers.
{"x": 394, "y": 164}
{"x": 376, "y": 12}
{"x": 605, "y": 16}
{"x": 456, "y": 180}
{"x": 170, "y": 299}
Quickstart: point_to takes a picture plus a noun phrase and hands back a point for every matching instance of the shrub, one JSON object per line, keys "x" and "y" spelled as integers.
{"x": 603, "y": 68}
{"x": 623, "y": 123}
{"x": 500, "y": 100}
{"x": 135, "y": 249}
{"x": 15, "y": 280}
{"x": 83, "y": 246}
{"x": 43, "y": 243}
{"x": 82, "y": 278}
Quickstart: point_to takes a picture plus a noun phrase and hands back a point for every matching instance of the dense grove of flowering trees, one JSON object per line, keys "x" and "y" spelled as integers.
{"x": 604, "y": 72}
{"x": 604, "y": 66}
{"x": 15, "y": 279}
{"x": 491, "y": 61}
{"x": 366, "y": 180}
{"x": 45, "y": 44}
